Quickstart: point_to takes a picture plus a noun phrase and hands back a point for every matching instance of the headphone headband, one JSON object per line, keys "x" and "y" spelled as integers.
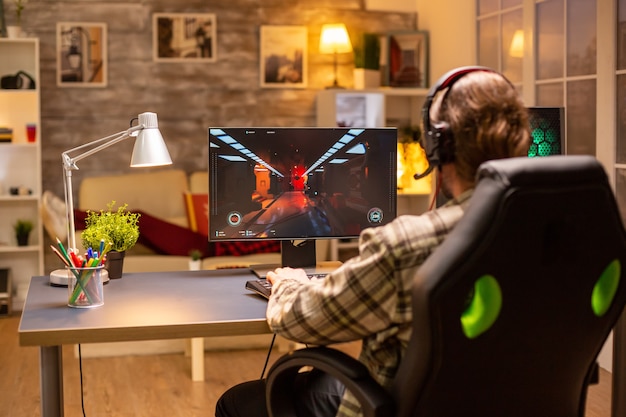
{"x": 438, "y": 140}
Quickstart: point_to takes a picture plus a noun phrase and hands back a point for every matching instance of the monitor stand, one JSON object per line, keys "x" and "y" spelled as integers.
{"x": 293, "y": 253}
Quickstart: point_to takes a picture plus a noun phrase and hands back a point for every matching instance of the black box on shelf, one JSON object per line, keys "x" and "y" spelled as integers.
{"x": 6, "y": 134}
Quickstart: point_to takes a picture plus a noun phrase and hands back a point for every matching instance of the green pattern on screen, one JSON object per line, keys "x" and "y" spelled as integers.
{"x": 545, "y": 131}
{"x": 484, "y": 307}
{"x": 545, "y": 141}
{"x": 605, "y": 289}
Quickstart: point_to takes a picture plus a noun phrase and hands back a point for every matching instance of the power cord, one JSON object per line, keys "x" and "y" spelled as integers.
{"x": 82, "y": 390}
{"x": 267, "y": 359}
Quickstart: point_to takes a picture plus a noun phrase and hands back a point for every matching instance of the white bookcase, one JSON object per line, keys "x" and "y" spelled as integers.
{"x": 20, "y": 167}
{"x": 397, "y": 107}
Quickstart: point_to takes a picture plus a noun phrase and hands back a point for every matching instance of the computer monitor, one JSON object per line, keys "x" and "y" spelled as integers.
{"x": 546, "y": 131}
{"x": 297, "y": 185}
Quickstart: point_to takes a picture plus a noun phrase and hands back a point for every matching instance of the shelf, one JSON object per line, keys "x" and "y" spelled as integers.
{"x": 18, "y": 198}
{"x": 27, "y": 145}
{"x": 19, "y": 249}
{"x": 19, "y": 91}
{"x": 391, "y": 91}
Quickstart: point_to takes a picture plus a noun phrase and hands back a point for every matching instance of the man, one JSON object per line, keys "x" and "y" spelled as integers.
{"x": 471, "y": 115}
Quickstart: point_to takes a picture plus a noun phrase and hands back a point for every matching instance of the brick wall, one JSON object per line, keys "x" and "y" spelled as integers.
{"x": 188, "y": 97}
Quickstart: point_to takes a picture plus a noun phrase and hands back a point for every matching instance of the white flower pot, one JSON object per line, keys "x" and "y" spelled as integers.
{"x": 366, "y": 78}
{"x": 14, "y": 32}
{"x": 195, "y": 265}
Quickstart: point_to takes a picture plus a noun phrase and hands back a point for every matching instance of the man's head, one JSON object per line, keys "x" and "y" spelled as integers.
{"x": 474, "y": 115}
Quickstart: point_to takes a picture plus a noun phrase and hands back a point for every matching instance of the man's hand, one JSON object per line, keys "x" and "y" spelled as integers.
{"x": 286, "y": 273}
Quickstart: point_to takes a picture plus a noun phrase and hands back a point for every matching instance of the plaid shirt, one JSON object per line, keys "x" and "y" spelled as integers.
{"x": 368, "y": 297}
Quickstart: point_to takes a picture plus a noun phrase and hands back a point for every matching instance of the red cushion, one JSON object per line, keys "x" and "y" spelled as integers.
{"x": 197, "y": 212}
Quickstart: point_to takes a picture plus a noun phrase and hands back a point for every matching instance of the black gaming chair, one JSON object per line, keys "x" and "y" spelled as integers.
{"x": 511, "y": 311}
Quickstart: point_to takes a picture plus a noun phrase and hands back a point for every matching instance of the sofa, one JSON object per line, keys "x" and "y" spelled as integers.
{"x": 166, "y": 238}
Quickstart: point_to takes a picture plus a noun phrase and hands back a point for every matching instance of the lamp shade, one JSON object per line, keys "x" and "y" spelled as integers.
{"x": 334, "y": 39}
{"x": 516, "y": 50}
{"x": 150, "y": 149}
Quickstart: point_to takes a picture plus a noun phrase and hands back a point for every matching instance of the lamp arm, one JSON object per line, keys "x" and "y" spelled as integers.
{"x": 69, "y": 162}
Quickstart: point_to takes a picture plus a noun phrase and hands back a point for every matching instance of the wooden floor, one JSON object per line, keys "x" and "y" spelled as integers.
{"x": 150, "y": 386}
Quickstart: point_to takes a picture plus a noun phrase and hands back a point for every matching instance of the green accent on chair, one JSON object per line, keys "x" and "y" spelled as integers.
{"x": 605, "y": 289}
{"x": 484, "y": 307}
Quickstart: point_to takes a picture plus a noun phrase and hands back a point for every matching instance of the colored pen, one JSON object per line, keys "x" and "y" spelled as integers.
{"x": 63, "y": 251}
{"x": 56, "y": 251}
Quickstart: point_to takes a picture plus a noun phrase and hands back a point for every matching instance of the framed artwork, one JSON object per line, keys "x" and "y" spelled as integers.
{"x": 407, "y": 59}
{"x": 283, "y": 56}
{"x": 81, "y": 54}
{"x": 184, "y": 37}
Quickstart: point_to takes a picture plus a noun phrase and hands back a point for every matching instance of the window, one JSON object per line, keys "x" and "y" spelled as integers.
{"x": 500, "y": 37}
{"x": 565, "y": 58}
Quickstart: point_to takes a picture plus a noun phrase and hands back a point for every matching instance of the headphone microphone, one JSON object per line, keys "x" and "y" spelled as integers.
{"x": 437, "y": 139}
{"x": 425, "y": 173}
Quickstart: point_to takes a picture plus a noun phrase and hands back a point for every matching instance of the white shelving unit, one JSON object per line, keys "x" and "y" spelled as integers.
{"x": 20, "y": 167}
{"x": 398, "y": 107}
{"x": 371, "y": 107}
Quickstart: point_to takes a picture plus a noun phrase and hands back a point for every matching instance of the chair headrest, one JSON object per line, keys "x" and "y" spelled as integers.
{"x": 557, "y": 169}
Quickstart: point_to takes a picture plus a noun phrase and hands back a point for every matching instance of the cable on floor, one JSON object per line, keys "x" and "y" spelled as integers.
{"x": 82, "y": 390}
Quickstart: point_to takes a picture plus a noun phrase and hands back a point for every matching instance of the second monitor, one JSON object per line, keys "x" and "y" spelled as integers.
{"x": 297, "y": 185}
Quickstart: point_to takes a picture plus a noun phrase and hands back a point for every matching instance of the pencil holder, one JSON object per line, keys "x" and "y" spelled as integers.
{"x": 84, "y": 287}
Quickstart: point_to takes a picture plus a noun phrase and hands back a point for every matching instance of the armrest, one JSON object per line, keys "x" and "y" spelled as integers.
{"x": 374, "y": 399}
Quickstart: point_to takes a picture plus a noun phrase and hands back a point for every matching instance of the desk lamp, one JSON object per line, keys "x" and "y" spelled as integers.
{"x": 149, "y": 150}
{"x": 335, "y": 40}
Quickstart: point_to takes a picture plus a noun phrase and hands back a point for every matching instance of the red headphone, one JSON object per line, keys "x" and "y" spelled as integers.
{"x": 438, "y": 139}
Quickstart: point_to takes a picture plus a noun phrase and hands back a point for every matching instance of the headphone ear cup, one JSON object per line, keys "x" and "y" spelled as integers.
{"x": 445, "y": 142}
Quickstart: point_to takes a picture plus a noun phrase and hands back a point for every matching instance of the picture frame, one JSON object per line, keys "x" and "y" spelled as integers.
{"x": 184, "y": 37}
{"x": 407, "y": 59}
{"x": 81, "y": 54}
{"x": 283, "y": 57}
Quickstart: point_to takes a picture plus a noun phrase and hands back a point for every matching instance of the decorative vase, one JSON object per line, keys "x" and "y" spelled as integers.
{"x": 115, "y": 264}
{"x": 14, "y": 32}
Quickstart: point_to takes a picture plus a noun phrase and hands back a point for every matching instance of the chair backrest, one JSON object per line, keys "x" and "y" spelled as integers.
{"x": 511, "y": 311}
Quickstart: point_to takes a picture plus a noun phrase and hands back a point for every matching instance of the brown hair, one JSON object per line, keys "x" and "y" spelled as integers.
{"x": 487, "y": 118}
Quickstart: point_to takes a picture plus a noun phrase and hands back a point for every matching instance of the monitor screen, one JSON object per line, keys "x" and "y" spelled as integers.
{"x": 546, "y": 131}
{"x": 300, "y": 183}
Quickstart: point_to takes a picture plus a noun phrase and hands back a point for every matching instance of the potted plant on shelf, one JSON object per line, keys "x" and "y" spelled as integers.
{"x": 196, "y": 260}
{"x": 15, "y": 31}
{"x": 119, "y": 227}
{"x": 22, "y": 231}
{"x": 367, "y": 61}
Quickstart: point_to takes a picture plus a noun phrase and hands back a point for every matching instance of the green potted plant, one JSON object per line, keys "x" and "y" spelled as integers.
{"x": 367, "y": 61}
{"x": 22, "y": 231}
{"x": 196, "y": 260}
{"x": 15, "y": 31}
{"x": 118, "y": 227}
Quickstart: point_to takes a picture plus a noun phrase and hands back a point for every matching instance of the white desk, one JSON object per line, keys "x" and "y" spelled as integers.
{"x": 140, "y": 306}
